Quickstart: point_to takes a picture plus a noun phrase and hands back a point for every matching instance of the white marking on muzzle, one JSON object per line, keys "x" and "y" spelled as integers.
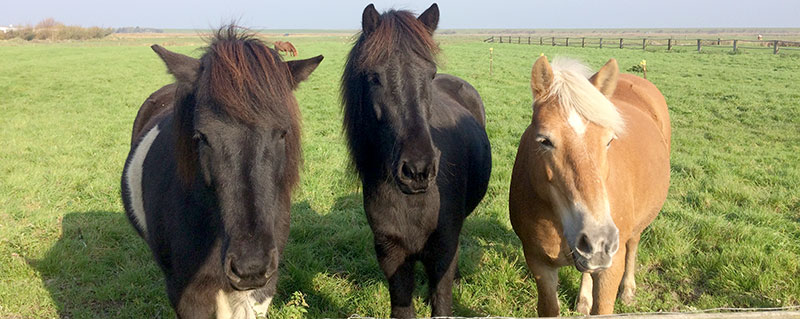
{"x": 134, "y": 177}
{"x": 238, "y": 305}
{"x": 260, "y": 309}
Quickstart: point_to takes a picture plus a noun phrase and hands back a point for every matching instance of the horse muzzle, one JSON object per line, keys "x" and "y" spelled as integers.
{"x": 247, "y": 273}
{"x": 595, "y": 250}
{"x": 416, "y": 175}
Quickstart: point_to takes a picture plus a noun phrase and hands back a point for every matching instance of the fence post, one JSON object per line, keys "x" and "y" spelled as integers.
{"x": 620, "y": 43}
{"x": 541, "y": 42}
{"x": 719, "y": 41}
{"x": 567, "y": 41}
{"x": 583, "y": 42}
{"x": 775, "y": 47}
{"x": 491, "y": 60}
{"x": 601, "y": 43}
{"x": 734, "y": 45}
{"x": 554, "y": 41}
{"x": 698, "y": 45}
{"x": 529, "y": 40}
{"x": 669, "y": 44}
{"x": 644, "y": 44}
{"x": 501, "y": 39}
{"x": 519, "y": 40}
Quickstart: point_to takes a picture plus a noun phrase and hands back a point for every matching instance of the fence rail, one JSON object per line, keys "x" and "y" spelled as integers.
{"x": 643, "y": 43}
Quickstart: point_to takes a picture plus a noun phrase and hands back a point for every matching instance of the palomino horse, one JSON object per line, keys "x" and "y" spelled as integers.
{"x": 208, "y": 180}
{"x": 418, "y": 143}
{"x": 285, "y": 46}
{"x": 592, "y": 171}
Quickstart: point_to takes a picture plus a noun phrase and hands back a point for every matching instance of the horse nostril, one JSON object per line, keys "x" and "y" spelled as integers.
{"x": 612, "y": 246}
{"x": 248, "y": 268}
{"x": 584, "y": 246}
{"x": 406, "y": 171}
{"x": 235, "y": 271}
{"x": 416, "y": 171}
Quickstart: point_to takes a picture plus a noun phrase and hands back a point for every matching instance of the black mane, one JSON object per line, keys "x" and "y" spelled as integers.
{"x": 247, "y": 81}
{"x": 399, "y": 32}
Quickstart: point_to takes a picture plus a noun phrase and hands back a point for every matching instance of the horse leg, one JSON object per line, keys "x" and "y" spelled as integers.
{"x": 401, "y": 287}
{"x": 441, "y": 264}
{"x": 199, "y": 301}
{"x": 398, "y": 267}
{"x": 605, "y": 286}
{"x": 585, "y": 296}
{"x": 628, "y": 278}
{"x": 546, "y": 278}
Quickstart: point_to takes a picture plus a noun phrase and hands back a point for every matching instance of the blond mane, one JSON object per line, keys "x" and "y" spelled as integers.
{"x": 572, "y": 88}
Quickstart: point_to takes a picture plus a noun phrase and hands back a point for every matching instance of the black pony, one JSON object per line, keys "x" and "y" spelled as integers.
{"x": 208, "y": 180}
{"x": 418, "y": 142}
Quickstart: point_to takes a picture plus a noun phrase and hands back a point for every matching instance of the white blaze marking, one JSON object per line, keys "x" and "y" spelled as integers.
{"x": 576, "y": 122}
{"x": 134, "y": 177}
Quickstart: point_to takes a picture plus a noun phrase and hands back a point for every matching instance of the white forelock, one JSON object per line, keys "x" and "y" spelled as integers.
{"x": 572, "y": 88}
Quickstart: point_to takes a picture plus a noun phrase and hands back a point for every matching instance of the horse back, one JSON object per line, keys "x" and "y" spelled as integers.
{"x": 462, "y": 93}
{"x": 154, "y": 108}
{"x": 639, "y": 161}
{"x": 458, "y": 131}
{"x": 644, "y": 95}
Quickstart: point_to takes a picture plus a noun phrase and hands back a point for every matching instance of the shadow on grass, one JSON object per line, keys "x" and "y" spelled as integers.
{"x": 330, "y": 254}
{"x": 101, "y": 268}
{"x": 336, "y": 246}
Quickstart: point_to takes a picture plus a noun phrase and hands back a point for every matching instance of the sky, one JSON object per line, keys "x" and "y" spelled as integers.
{"x": 455, "y": 14}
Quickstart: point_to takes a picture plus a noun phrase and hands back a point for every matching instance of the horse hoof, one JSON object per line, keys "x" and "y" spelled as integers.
{"x": 584, "y": 307}
{"x": 627, "y": 295}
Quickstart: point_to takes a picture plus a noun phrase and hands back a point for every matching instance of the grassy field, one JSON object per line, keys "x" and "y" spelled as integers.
{"x": 728, "y": 235}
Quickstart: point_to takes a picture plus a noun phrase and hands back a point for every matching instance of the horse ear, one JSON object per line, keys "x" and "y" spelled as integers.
{"x": 605, "y": 80}
{"x": 370, "y": 19}
{"x": 430, "y": 18}
{"x": 301, "y": 69}
{"x": 541, "y": 78}
{"x": 184, "y": 68}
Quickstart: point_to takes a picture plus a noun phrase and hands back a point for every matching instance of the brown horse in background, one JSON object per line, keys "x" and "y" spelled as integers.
{"x": 585, "y": 181}
{"x": 285, "y": 46}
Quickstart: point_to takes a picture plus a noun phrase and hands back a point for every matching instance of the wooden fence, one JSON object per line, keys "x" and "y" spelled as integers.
{"x": 644, "y": 43}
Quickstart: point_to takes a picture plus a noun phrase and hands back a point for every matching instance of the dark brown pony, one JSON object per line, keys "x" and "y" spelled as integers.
{"x": 285, "y": 46}
{"x": 208, "y": 180}
{"x": 418, "y": 143}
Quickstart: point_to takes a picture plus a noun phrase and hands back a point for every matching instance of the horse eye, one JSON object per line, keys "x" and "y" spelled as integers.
{"x": 545, "y": 142}
{"x": 202, "y": 138}
{"x": 374, "y": 79}
{"x": 282, "y": 133}
{"x": 609, "y": 142}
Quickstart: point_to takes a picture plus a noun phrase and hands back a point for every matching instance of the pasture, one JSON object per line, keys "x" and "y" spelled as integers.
{"x": 728, "y": 235}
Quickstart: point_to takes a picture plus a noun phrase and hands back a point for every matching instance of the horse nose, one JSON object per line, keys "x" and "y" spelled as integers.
{"x": 415, "y": 175}
{"x": 596, "y": 248}
{"x": 250, "y": 271}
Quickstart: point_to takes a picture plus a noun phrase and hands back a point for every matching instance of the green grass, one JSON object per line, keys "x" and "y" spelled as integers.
{"x": 728, "y": 235}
